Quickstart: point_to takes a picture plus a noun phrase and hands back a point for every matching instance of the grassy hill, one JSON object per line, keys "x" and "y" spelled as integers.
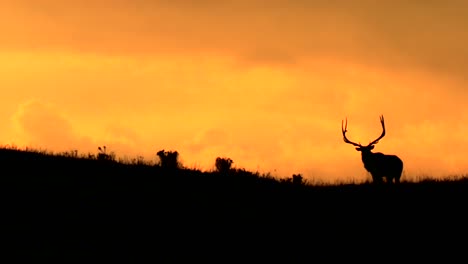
{"x": 82, "y": 208}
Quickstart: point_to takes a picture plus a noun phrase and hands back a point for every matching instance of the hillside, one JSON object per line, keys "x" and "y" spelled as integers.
{"x": 79, "y": 208}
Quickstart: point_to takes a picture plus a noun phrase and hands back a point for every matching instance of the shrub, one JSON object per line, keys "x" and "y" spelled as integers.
{"x": 296, "y": 179}
{"x": 139, "y": 160}
{"x": 223, "y": 165}
{"x": 168, "y": 159}
{"x": 103, "y": 155}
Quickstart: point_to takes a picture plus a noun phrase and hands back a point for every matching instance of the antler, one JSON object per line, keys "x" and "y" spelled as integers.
{"x": 344, "y": 130}
{"x": 383, "y": 132}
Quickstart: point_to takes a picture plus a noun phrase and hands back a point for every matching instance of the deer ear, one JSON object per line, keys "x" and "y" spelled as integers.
{"x": 358, "y": 149}
{"x": 371, "y": 147}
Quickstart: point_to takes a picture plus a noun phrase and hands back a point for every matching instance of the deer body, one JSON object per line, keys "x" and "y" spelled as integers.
{"x": 382, "y": 166}
{"x": 379, "y": 165}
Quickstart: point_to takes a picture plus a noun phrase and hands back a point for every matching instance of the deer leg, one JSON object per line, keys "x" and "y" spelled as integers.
{"x": 389, "y": 180}
{"x": 377, "y": 178}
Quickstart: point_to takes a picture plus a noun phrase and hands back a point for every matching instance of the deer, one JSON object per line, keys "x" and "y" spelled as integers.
{"x": 379, "y": 165}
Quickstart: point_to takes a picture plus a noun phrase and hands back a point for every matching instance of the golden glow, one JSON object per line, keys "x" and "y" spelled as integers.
{"x": 265, "y": 87}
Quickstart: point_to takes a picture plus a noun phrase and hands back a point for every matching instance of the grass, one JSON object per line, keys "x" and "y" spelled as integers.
{"x": 82, "y": 207}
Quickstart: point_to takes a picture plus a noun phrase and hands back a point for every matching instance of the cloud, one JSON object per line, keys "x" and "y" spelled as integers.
{"x": 42, "y": 125}
{"x": 399, "y": 34}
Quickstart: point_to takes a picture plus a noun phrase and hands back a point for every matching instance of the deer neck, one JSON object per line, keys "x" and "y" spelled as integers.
{"x": 366, "y": 155}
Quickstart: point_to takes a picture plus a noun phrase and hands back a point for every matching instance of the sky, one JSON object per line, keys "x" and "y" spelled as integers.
{"x": 265, "y": 83}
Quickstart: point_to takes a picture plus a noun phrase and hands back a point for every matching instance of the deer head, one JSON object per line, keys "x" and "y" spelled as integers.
{"x": 360, "y": 147}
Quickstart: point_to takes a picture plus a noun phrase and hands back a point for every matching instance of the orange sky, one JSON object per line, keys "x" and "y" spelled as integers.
{"x": 265, "y": 83}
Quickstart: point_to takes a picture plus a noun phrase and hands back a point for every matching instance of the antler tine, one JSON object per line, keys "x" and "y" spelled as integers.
{"x": 382, "y": 121}
{"x": 344, "y": 130}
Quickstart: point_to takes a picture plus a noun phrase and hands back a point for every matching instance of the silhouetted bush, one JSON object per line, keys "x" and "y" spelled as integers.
{"x": 296, "y": 179}
{"x": 139, "y": 160}
{"x": 286, "y": 180}
{"x": 70, "y": 154}
{"x": 168, "y": 159}
{"x": 223, "y": 165}
{"x": 103, "y": 155}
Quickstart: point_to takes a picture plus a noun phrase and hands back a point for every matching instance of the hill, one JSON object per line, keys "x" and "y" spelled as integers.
{"x": 81, "y": 208}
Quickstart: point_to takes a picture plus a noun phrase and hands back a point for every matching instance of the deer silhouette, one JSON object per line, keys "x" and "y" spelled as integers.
{"x": 379, "y": 165}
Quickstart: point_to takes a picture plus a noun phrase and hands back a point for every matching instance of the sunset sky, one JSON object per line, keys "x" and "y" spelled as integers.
{"x": 265, "y": 83}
